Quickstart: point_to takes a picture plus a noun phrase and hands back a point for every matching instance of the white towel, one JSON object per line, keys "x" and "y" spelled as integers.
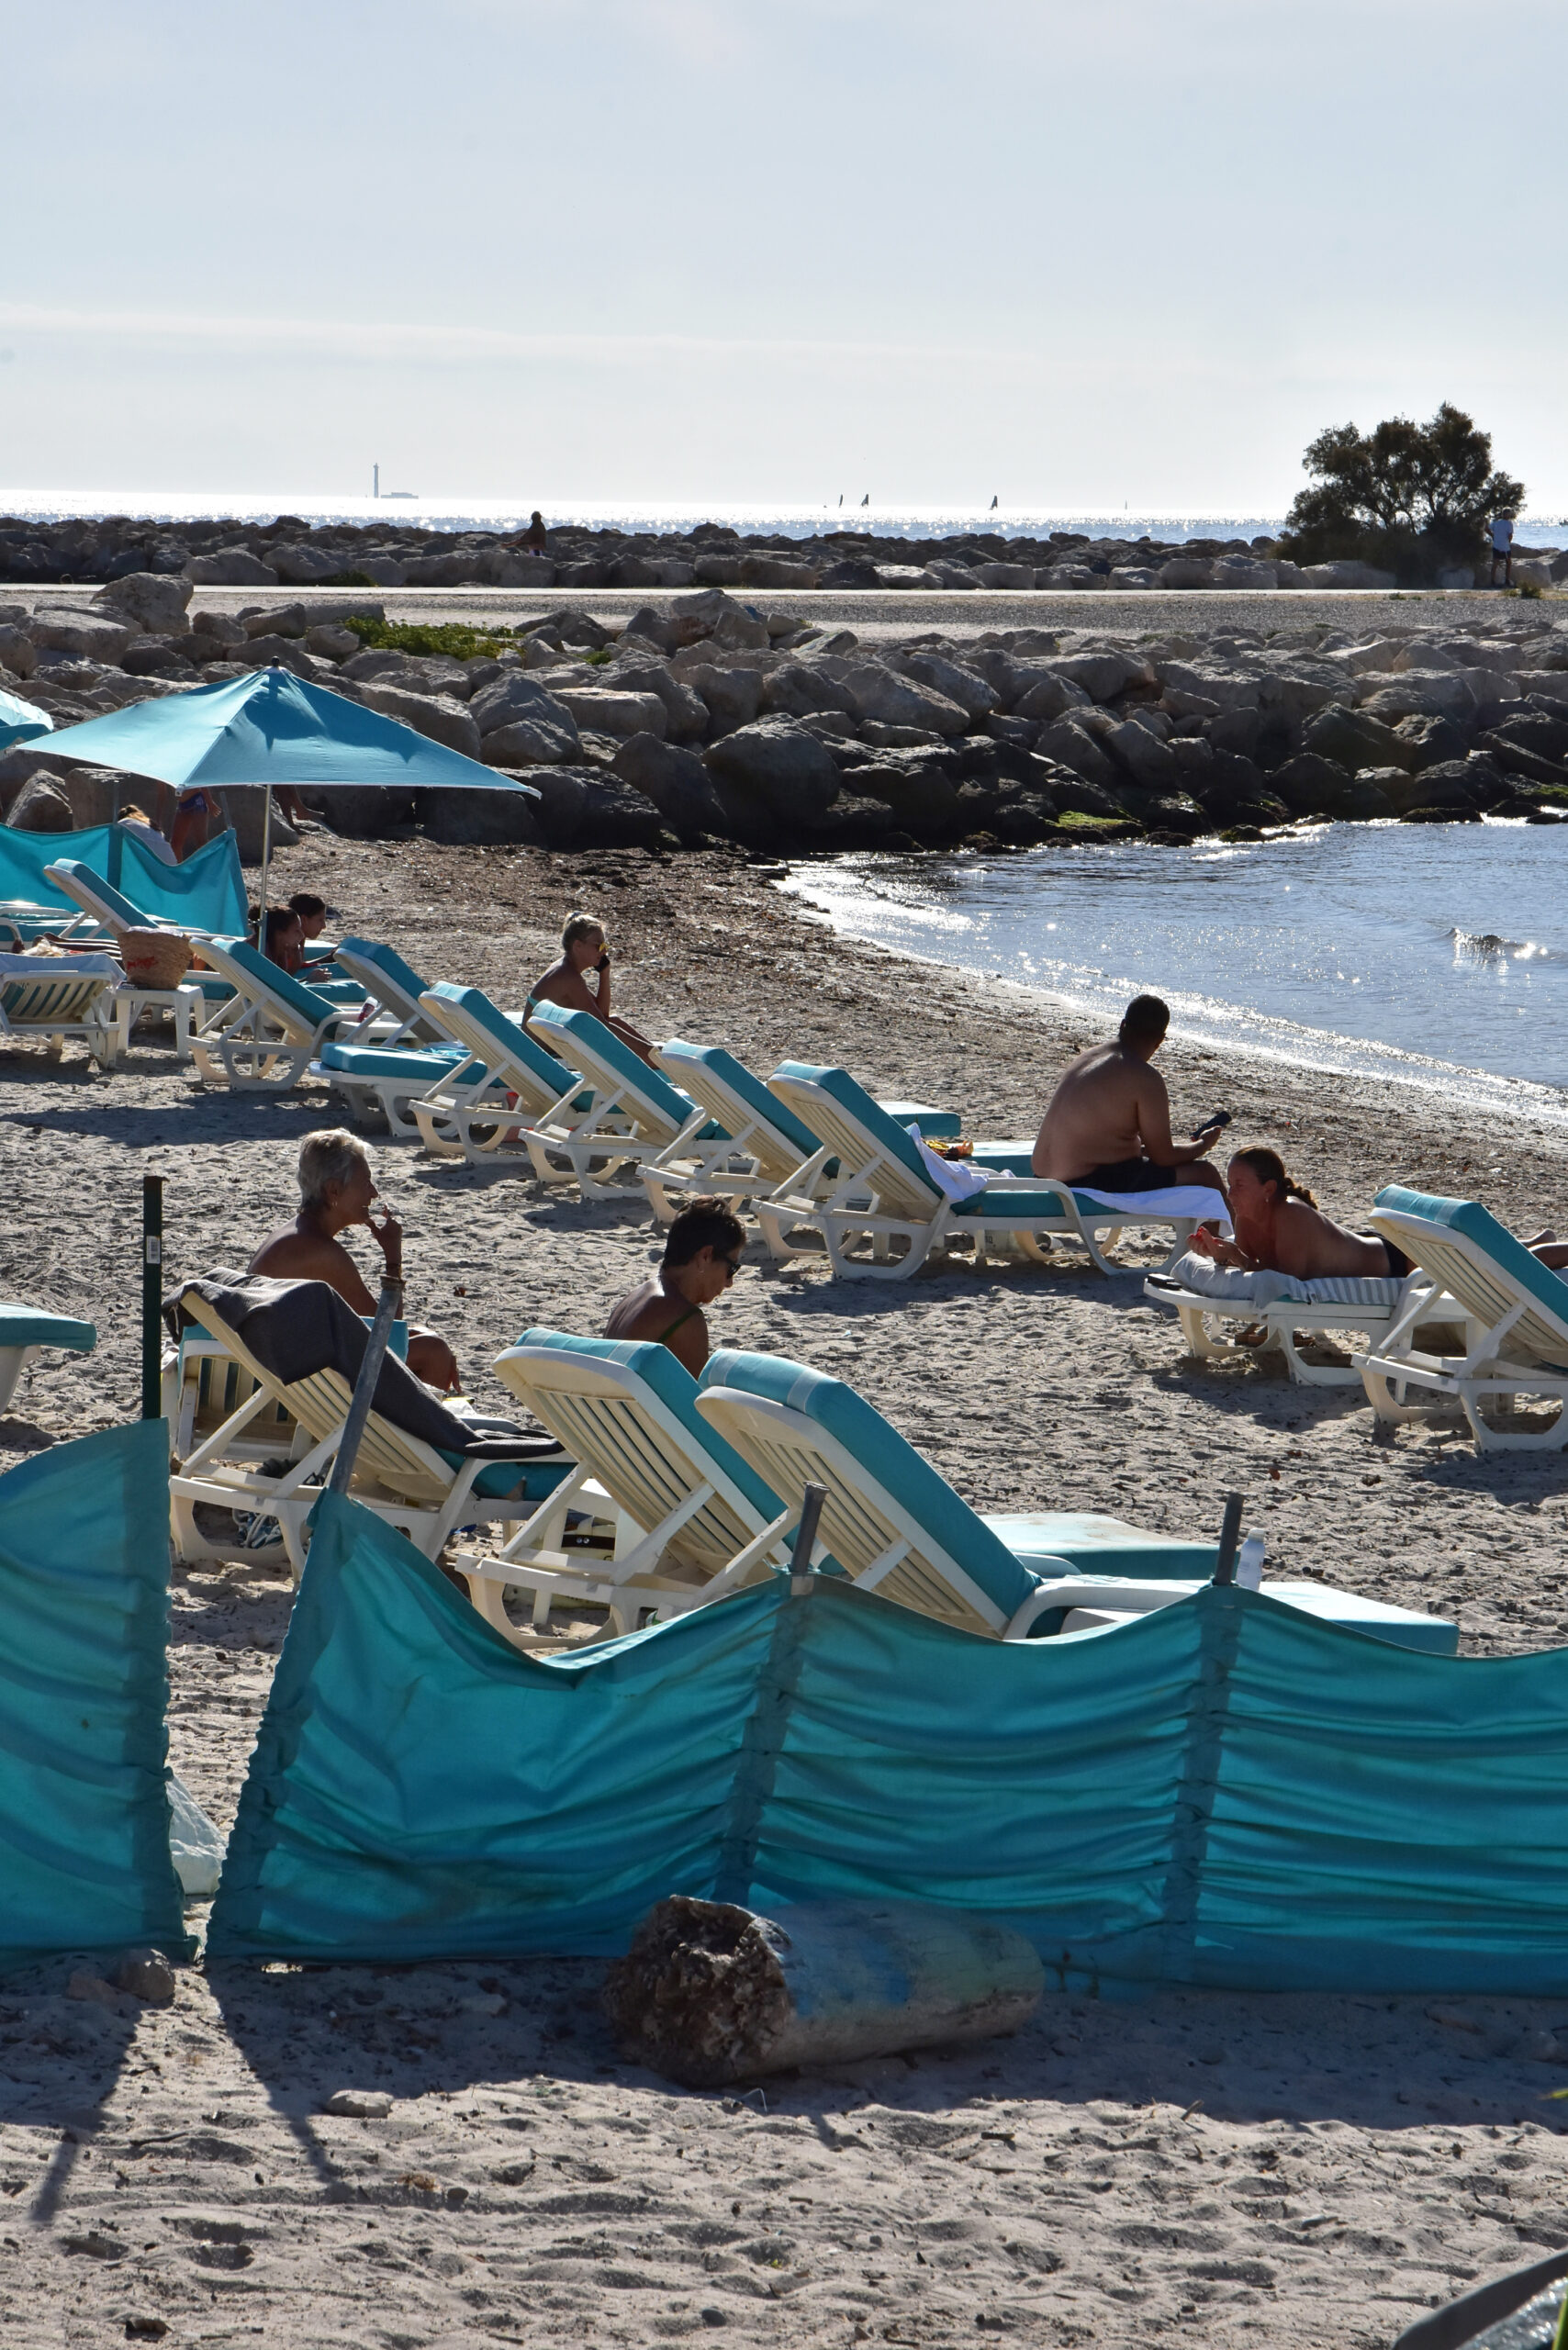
{"x": 954, "y": 1178}
{"x": 1197, "y": 1200}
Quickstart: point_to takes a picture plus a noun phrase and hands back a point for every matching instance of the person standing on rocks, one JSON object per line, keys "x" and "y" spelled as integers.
{"x": 1503, "y": 548}
{"x": 533, "y": 538}
{"x": 583, "y": 949}
{"x": 1108, "y": 1122}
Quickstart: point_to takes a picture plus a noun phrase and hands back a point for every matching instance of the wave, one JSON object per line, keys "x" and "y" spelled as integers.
{"x": 1486, "y": 946}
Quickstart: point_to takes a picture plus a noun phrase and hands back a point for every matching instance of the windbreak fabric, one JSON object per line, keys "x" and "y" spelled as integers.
{"x": 207, "y": 892}
{"x": 1223, "y": 1792}
{"x": 84, "y": 1860}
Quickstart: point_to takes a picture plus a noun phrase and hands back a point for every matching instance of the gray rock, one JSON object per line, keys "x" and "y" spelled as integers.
{"x": 277, "y": 619}
{"x": 1005, "y": 574}
{"x": 888, "y": 737}
{"x": 511, "y": 567}
{"x": 439, "y": 718}
{"x": 1048, "y": 696}
{"x": 231, "y": 567}
{"x": 1422, "y": 693}
{"x": 618, "y": 714}
{"x": 1187, "y": 571}
{"x": 592, "y": 807}
{"x": 358, "y": 2105}
{"x": 302, "y": 566}
{"x": 799, "y": 689}
{"x": 767, "y": 570}
{"x": 1434, "y": 740}
{"x": 731, "y": 697}
{"x": 276, "y": 653}
{"x": 972, "y": 693}
{"x": 1311, "y": 785}
{"x": 924, "y": 802}
{"x": 1346, "y": 575}
{"x": 41, "y": 807}
{"x": 363, "y": 812}
{"x": 148, "y": 1977}
{"x": 245, "y": 806}
{"x": 676, "y": 781}
{"x": 1372, "y": 792}
{"x": 876, "y": 693}
{"x": 160, "y": 657}
{"x": 634, "y": 670}
{"x": 386, "y": 570}
{"x": 515, "y": 695}
{"x": 93, "y": 636}
{"x": 1354, "y": 740}
{"x": 718, "y": 568}
{"x": 330, "y": 641}
{"x": 532, "y": 742}
{"x": 1073, "y": 746}
{"x": 1143, "y": 759}
{"x": 739, "y": 631}
{"x": 216, "y": 629}
{"x": 480, "y": 819}
{"x": 1103, "y": 674}
{"x": 17, "y": 652}
{"x": 1193, "y": 690}
{"x": 779, "y": 766}
{"x": 153, "y": 602}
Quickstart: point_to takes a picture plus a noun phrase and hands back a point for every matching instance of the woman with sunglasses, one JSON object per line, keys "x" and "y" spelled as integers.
{"x": 703, "y": 1255}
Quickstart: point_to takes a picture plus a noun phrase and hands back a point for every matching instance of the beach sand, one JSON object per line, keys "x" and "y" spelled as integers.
{"x": 1321, "y": 2169}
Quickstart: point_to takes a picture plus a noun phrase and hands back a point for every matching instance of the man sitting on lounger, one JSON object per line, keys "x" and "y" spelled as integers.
{"x": 336, "y": 1189}
{"x": 1108, "y": 1122}
{"x": 1280, "y": 1228}
{"x": 583, "y": 949}
{"x": 702, "y": 1256}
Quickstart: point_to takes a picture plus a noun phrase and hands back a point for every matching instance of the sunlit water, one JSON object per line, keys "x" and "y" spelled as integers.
{"x": 1434, "y": 954}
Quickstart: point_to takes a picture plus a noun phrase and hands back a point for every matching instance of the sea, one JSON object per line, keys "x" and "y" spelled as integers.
{"x": 1434, "y": 955}
{"x": 451, "y": 510}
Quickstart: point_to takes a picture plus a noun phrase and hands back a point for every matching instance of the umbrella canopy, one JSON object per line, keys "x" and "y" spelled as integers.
{"x": 268, "y": 728}
{"x": 21, "y": 722}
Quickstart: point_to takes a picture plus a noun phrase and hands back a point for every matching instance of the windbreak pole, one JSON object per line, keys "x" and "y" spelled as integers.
{"x": 151, "y": 1296}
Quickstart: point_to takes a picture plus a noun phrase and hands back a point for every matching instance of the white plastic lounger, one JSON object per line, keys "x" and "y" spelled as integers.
{"x": 61, "y": 996}
{"x": 693, "y": 1520}
{"x": 264, "y": 1037}
{"x": 507, "y": 1097}
{"x": 884, "y": 1199}
{"x": 760, "y": 1144}
{"x": 103, "y": 903}
{"x": 1516, "y": 1315}
{"x": 631, "y": 1102}
{"x": 894, "y": 1526}
{"x": 26, "y": 1331}
{"x": 1203, "y": 1295}
{"x": 396, "y": 991}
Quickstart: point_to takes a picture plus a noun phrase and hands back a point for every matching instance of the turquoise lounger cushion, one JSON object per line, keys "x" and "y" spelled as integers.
{"x": 763, "y": 1105}
{"x": 389, "y": 963}
{"x": 309, "y": 1005}
{"x": 34, "y": 1326}
{"x": 935, "y": 1125}
{"x": 633, "y": 1072}
{"x": 677, "y": 1390}
{"x": 512, "y": 1043}
{"x": 422, "y": 1068}
{"x": 884, "y": 1132}
{"x": 105, "y": 893}
{"x": 1094, "y": 1545}
{"x": 1009, "y": 1207}
{"x": 1478, "y": 1225}
{"x": 883, "y": 1454}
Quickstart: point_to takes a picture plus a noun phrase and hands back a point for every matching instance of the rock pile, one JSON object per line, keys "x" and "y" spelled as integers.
{"x": 720, "y": 720}
{"x": 291, "y": 553}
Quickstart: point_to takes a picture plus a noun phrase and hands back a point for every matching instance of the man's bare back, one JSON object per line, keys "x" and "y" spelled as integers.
{"x": 1110, "y": 1116}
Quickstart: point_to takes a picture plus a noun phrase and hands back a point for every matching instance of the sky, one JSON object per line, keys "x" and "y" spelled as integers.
{"x": 1079, "y": 253}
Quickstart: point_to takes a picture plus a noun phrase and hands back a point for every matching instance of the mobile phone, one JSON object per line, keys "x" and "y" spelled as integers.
{"x": 1219, "y": 1118}
{"x": 603, "y": 962}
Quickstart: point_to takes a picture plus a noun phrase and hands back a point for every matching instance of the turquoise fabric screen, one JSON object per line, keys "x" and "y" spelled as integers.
{"x": 1223, "y": 1792}
{"x": 84, "y": 1859}
{"x": 207, "y": 890}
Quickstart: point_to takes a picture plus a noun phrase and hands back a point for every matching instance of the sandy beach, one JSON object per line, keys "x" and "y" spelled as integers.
{"x": 1319, "y": 2170}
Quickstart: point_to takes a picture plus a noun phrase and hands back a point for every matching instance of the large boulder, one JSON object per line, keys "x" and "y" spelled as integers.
{"x": 153, "y": 601}
{"x": 1200, "y": 689}
{"x": 925, "y": 804}
{"x": 1311, "y": 785}
{"x": 18, "y": 654}
{"x": 762, "y": 569}
{"x": 511, "y": 568}
{"x": 532, "y": 742}
{"x": 41, "y": 807}
{"x": 162, "y": 656}
{"x": 480, "y": 819}
{"x": 1433, "y": 741}
{"x": 303, "y": 565}
{"x": 875, "y": 693}
{"x": 231, "y": 567}
{"x": 1534, "y": 730}
{"x": 439, "y": 717}
{"x": 639, "y": 671}
{"x": 275, "y": 620}
{"x": 1354, "y": 739}
{"x": 735, "y": 697}
{"x": 362, "y": 811}
{"x": 1103, "y": 674}
{"x": 91, "y": 636}
{"x": 1048, "y": 696}
{"x": 799, "y": 689}
{"x": 777, "y": 769}
{"x": 592, "y": 807}
{"x": 1005, "y": 574}
{"x": 615, "y": 713}
{"x": 1071, "y": 745}
{"x": 1143, "y": 758}
{"x": 245, "y": 806}
{"x": 949, "y": 678}
{"x": 1187, "y": 571}
{"x": 676, "y": 781}
{"x": 1346, "y": 575}
{"x": 514, "y": 696}
{"x": 1423, "y": 693}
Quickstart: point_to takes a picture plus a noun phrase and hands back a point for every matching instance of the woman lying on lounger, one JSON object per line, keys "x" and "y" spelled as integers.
{"x": 1280, "y": 1228}
{"x": 336, "y": 1192}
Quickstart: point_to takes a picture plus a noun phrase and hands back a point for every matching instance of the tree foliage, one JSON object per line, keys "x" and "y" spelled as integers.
{"x": 1414, "y": 499}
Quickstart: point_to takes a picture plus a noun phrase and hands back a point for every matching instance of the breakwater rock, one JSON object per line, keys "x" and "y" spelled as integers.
{"x": 717, "y": 720}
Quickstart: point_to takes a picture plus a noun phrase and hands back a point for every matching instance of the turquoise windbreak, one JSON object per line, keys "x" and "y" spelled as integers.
{"x": 84, "y": 1859}
{"x": 1223, "y": 1792}
{"x": 207, "y": 892}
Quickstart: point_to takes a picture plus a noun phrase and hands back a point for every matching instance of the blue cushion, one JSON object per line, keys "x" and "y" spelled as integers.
{"x": 883, "y": 1454}
{"x": 512, "y": 1043}
{"x": 104, "y": 892}
{"x": 889, "y": 1136}
{"x": 1010, "y": 1207}
{"x": 935, "y": 1125}
{"x": 1474, "y": 1222}
{"x": 420, "y": 1069}
{"x": 309, "y": 1006}
{"x": 634, "y": 1071}
{"x": 389, "y": 963}
{"x": 34, "y": 1326}
{"x": 668, "y": 1379}
{"x": 1094, "y": 1545}
{"x": 763, "y": 1105}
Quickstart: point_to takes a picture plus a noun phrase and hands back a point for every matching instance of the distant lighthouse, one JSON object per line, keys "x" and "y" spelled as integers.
{"x": 376, "y": 481}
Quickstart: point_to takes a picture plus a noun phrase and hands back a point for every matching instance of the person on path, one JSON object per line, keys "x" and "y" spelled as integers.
{"x": 583, "y": 949}
{"x": 1108, "y": 1122}
{"x": 702, "y": 1256}
{"x": 1503, "y": 548}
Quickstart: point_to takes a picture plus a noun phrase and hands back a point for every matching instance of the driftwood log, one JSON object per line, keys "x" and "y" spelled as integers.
{"x": 710, "y": 1993}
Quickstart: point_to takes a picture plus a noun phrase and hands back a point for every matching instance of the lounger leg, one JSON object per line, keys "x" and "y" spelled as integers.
{"x": 11, "y": 1361}
{"x": 1488, "y": 1438}
{"x": 1200, "y": 1340}
{"x": 1311, "y": 1374}
{"x": 1391, "y": 1408}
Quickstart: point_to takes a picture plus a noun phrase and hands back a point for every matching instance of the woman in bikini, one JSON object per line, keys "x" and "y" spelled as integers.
{"x": 703, "y": 1255}
{"x": 1281, "y": 1228}
{"x": 583, "y": 949}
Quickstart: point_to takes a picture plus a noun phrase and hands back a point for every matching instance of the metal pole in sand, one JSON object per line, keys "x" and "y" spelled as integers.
{"x": 151, "y": 1296}
{"x": 800, "y": 1568}
{"x": 266, "y": 852}
{"x": 1229, "y": 1535}
{"x": 365, "y": 1385}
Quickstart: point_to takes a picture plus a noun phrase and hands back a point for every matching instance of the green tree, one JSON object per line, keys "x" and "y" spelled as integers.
{"x": 1414, "y": 499}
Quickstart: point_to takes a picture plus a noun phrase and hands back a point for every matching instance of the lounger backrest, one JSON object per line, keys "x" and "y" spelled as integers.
{"x": 97, "y": 897}
{"x": 383, "y": 975}
{"x": 740, "y": 1103}
{"x": 628, "y": 1412}
{"x": 297, "y": 1009}
{"x": 35, "y": 991}
{"x": 860, "y": 1134}
{"x": 414, "y": 1472}
{"x": 656, "y": 1110}
{"x": 798, "y": 1427}
{"x": 1478, "y": 1261}
{"x": 525, "y": 1068}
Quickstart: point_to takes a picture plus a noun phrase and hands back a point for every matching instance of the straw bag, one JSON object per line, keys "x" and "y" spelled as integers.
{"x": 155, "y": 958}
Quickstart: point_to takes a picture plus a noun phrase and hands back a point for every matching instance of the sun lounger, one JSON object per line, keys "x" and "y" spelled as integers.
{"x": 506, "y": 1096}
{"x": 394, "y": 988}
{"x": 893, "y": 1524}
{"x": 56, "y": 996}
{"x": 1515, "y": 1310}
{"x": 26, "y": 1331}
{"x": 632, "y": 1102}
{"x": 1204, "y": 1296}
{"x": 759, "y": 1145}
{"x": 422, "y": 1487}
{"x": 264, "y": 1037}
{"x": 101, "y": 903}
{"x": 693, "y": 1520}
{"x": 884, "y": 1194}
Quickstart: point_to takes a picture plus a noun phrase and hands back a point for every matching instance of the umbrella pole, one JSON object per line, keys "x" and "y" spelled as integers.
{"x": 266, "y": 852}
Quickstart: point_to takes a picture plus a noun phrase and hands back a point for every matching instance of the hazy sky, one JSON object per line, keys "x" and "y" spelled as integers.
{"x": 1083, "y": 254}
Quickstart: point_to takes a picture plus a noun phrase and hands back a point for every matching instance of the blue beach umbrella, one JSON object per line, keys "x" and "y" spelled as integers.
{"x": 21, "y": 722}
{"x": 270, "y": 728}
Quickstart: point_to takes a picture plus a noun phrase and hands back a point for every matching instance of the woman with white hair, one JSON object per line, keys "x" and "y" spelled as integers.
{"x": 336, "y": 1192}
{"x": 583, "y": 949}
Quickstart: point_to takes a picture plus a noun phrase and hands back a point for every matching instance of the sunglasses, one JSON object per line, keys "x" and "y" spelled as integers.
{"x": 732, "y": 1267}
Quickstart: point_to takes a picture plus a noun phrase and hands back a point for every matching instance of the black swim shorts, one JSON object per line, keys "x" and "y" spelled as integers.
{"x": 1127, "y": 1175}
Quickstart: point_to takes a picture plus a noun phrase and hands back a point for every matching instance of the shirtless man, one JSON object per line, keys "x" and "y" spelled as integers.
{"x": 1108, "y": 1122}
{"x": 701, "y": 1257}
{"x": 583, "y": 949}
{"x": 1280, "y": 1228}
{"x": 336, "y": 1189}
